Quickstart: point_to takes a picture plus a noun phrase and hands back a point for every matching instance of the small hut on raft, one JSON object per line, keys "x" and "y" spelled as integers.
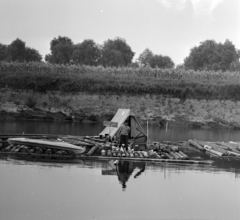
{"x": 137, "y": 134}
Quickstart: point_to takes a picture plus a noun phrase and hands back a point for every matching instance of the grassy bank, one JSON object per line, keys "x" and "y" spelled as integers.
{"x": 42, "y": 77}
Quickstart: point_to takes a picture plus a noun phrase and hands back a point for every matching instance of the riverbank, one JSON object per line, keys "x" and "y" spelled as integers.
{"x": 85, "y": 107}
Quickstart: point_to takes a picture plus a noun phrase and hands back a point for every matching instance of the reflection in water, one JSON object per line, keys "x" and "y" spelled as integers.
{"x": 39, "y": 191}
{"x": 220, "y": 165}
{"x": 125, "y": 169}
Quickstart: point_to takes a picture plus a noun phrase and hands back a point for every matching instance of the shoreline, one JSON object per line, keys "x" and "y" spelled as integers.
{"x": 40, "y": 115}
{"x": 94, "y": 108}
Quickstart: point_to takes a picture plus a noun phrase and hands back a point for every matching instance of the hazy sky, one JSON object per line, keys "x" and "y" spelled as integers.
{"x": 166, "y": 27}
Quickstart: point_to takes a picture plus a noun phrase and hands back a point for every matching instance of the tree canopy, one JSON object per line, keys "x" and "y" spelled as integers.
{"x": 61, "y": 50}
{"x": 3, "y": 52}
{"x": 147, "y": 58}
{"x": 212, "y": 56}
{"x": 17, "y": 51}
{"x": 116, "y": 53}
{"x": 87, "y": 52}
{"x": 161, "y": 62}
{"x": 209, "y": 55}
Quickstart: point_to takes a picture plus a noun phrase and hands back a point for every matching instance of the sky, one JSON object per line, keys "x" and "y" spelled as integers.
{"x": 166, "y": 27}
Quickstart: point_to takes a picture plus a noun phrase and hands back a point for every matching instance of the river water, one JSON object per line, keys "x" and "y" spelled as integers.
{"x": 96, "y": 190}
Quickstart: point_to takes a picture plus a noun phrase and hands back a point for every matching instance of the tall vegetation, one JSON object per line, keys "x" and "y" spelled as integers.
{"x": 179, "y": 83}
{"x": 61, "y": 50}
{"x": 17, "y": 51}
{"x": 86, "y": 53}
{"x": 116, "y": 53}
{"x": 147, "y": 58}
{"x": 212, "y": 56}
{"x": 209, "y": 55}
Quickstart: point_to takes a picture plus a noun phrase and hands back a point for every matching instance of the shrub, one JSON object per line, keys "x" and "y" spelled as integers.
{"x": 31, "y": 102}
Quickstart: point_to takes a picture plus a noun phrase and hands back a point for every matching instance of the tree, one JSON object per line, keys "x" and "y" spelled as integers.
{"x": 229, "y": 55}
{"x": 145, "y": 57}
{"x": 32, "y": 55}
{"x": 212, "y": 56}
{"x": 61, "y": 50}
{"x": 16, "y": 50}
{"x": 116, "y": 53}
{"x": 88, "y": 53}
{"x": 235, "y": 66}
{"x": 3, "y": 52}
{"x": 161, "y": 62}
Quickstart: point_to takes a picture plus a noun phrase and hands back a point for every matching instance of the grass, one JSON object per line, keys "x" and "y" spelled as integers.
{"x": 181, "y": 84}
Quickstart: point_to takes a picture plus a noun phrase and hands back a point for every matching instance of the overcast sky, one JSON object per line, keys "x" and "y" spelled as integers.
{"x": 166, "y": 27}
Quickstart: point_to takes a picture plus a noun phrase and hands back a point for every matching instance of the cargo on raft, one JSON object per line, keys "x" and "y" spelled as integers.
{"x": 105, "y": 146}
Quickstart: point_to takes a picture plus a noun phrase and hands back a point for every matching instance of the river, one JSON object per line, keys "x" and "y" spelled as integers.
{"x": 95, "y": 190}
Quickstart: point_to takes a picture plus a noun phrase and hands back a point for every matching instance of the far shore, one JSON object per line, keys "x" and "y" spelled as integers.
{"x": 95, "y": 108}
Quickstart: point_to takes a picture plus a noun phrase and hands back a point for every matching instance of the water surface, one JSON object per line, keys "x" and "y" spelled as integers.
{"x": 101, "y": 190}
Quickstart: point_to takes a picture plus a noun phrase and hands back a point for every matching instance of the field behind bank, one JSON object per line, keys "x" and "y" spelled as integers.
{"x": 183, "y": 84}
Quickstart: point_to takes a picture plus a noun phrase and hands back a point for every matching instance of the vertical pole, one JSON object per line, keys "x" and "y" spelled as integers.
{"x": 147, "y": 132}
{"x": 109, "y": 134}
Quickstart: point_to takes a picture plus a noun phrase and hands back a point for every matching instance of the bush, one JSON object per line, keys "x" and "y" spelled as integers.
{"x": 177, "y": 83}
{"x": 31, "y": 102}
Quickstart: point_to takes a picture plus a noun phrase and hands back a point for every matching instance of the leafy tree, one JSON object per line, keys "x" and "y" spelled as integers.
{"x": 3, "y": 52}
{"x": 145, "y": 57}
{"x": 16, "y": 50}
{"x": 61, "y": 50}
{"x": 32, "y": 55}
{"x": 116, "y": 53}
{"x": 87, "y": 52}
{"x": 229, "y": 55}
{"x": 161, "y": 62}
{"x": 212, "y": 56}
{"x": 235, "y": 66}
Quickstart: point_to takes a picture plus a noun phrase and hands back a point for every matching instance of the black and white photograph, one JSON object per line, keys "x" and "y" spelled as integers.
{"x": 119, "y": 109}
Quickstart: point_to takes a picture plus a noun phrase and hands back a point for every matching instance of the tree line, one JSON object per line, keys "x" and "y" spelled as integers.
{"x": 209, "y": 55}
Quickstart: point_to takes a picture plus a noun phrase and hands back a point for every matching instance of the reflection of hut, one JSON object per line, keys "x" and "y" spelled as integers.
{"x": 137, "y": 134}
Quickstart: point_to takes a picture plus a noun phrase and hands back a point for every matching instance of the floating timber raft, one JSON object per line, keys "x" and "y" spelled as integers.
{"x": 72, "y": 149}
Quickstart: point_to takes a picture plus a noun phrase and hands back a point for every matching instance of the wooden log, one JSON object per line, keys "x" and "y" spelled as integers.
{"x": 92, "y": 150}
{"x": 8, "y": 148}
{"x": 184, "y": 155}
{"x": 212, "y": 151}
{"x": 218, "y": 148}
{"x": 237, "y": 145}
{"x": 229, "y": 148}
{"x": 196, "y": 145}
{"x": 179, "y": 155}
{"x": 168, "y": 155}
{"x": 174, "y": 155}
